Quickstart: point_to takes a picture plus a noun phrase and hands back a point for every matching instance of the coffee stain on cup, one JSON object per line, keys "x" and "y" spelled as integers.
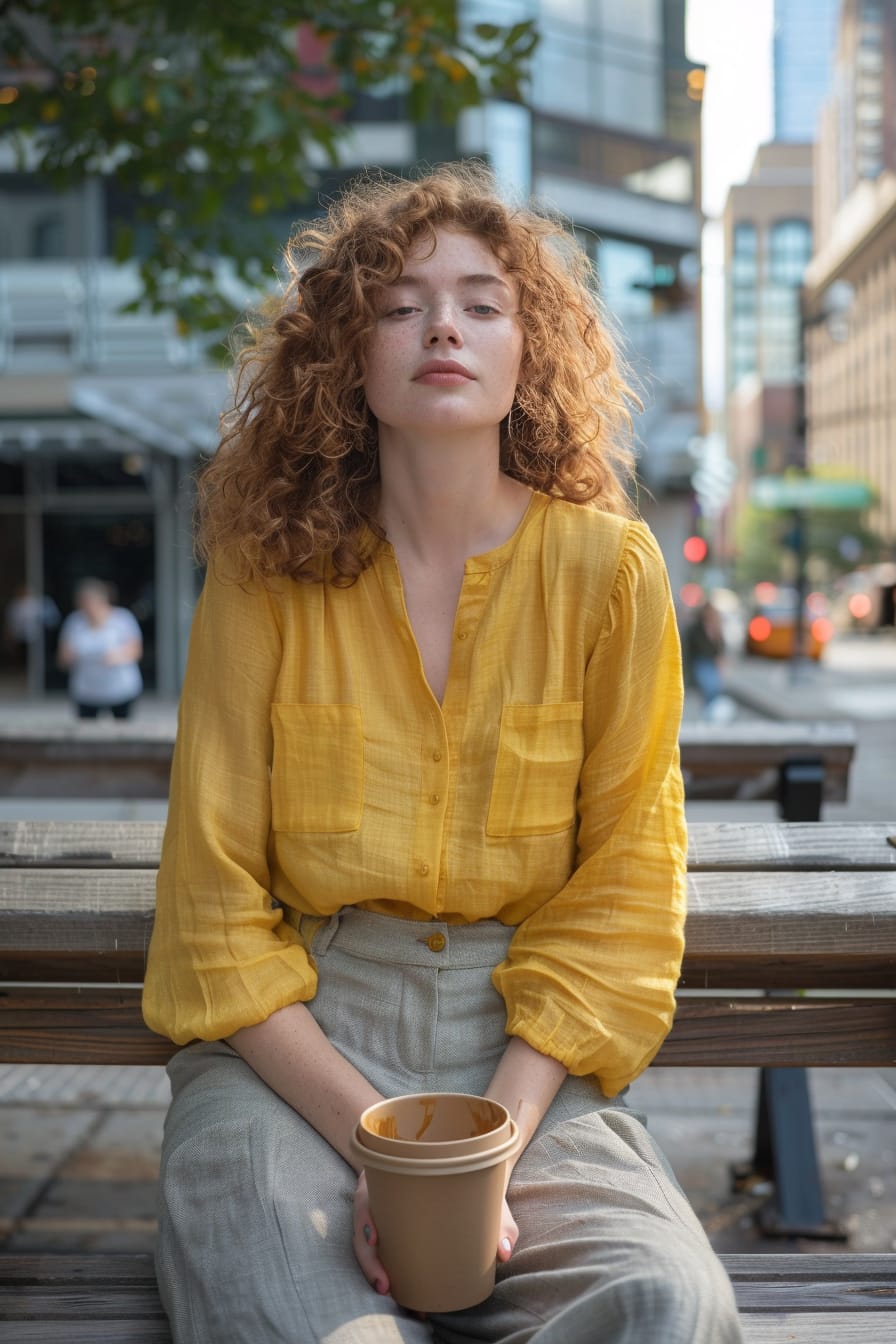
{"x": 482, "y": 1118}
{"x": 429, "y": 1110}
{"x": 386, "y": 1126}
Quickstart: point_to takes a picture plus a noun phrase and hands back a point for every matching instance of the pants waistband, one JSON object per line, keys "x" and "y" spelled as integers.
{"x": 407, "y": 942}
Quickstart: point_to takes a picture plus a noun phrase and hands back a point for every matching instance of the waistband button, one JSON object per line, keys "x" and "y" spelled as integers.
{"x": 436, "y": 942}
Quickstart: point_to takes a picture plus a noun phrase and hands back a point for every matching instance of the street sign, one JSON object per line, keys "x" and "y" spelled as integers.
{"x": 808, "y": 492}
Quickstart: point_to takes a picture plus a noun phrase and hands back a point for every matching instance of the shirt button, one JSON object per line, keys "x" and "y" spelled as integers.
{"x": 463, "y": 634}
{"x": 435, "y": 798}
{"x": 437, "y": 755}
{"x": 436, "y": 942}
{"x": 424, "y": 869}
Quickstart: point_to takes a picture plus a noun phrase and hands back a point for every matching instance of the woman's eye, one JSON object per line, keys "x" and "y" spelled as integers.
{"x": 401, "y": 311}
{"x": 483, "y": 309}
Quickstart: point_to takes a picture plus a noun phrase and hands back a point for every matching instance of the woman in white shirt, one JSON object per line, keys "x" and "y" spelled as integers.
{"x": 101, "y": 646}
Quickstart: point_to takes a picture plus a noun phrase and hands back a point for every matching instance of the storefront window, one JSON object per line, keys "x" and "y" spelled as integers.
{"x": 107, "y": 471}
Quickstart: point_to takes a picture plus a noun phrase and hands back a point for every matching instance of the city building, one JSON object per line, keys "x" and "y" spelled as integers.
{"x": 103, "y": 415}
{"x": 768, "y": 243}
{"x": 804, "y": 37}
{"x": 850, "y": 283}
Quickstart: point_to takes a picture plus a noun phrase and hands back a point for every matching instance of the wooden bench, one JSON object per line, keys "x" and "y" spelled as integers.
{"x": 799, "y": 764}
{"x": 781, "y": 908}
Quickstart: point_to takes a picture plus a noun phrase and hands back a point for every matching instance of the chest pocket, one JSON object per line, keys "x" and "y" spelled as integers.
{"x": 540, "y": 752}
{"x": 317, "y": 774}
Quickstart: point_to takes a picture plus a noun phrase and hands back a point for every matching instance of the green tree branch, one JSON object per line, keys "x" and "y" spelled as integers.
{"x": 207, "y": 121}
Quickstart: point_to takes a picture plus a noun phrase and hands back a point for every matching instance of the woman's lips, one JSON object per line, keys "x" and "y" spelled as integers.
{"x": 442, "y": 378}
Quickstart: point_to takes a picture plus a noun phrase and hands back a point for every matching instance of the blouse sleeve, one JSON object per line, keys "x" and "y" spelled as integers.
{"x": 590, "y": 977}
{"x": 221, "y": 956}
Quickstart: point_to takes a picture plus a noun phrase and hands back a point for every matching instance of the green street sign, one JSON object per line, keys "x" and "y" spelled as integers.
{"x": 807, "y": 492}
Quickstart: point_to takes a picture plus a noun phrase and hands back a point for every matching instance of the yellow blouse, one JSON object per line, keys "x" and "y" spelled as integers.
{"x": 314, "y": 766}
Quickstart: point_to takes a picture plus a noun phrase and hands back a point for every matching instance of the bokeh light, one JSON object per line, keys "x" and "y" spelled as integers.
{"x": 691, "y": 594}
{"x": 822, "y": 629}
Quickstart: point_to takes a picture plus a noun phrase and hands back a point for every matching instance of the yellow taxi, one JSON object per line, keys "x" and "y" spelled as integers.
{"x": 771, "y": 628}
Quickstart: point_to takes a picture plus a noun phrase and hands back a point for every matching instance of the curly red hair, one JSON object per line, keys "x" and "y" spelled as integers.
{"x": 295, "y": 478}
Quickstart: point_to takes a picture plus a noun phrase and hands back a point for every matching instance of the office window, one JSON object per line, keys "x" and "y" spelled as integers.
{"x": 789, "y": 250}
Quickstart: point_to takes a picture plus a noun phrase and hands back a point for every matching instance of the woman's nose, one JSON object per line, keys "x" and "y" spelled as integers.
{"x": 443, "y": 326}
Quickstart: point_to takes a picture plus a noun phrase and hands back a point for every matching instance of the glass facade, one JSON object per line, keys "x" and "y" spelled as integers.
{"x": 744, "y": 283}
{"x": 649, "y": 167}
{"x": 869, "y": 91}
{"x": 602, "y": 62}
{"x": 805, "y": 36}
{"x": 767, "y": 268}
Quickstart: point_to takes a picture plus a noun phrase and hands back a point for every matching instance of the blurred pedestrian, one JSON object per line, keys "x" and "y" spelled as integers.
{"x": 26, "y": 618}
{"x": 101, "y": 646}
{"x": 703, "y": 646}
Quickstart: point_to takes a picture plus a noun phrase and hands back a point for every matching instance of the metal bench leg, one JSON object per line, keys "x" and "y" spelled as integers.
{"x": 800, "y": 789}
{"x": 785, "y": 1154}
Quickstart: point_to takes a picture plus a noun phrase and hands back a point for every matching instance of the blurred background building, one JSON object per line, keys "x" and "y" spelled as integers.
{"x": 104, "y": 414}
{"x": 850, "y": 298}
{"x": 767, "y": 246}
{"x": 810, "y": 271}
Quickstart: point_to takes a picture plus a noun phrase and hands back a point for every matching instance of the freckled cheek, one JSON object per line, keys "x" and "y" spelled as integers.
{"x": 382, "y": 378}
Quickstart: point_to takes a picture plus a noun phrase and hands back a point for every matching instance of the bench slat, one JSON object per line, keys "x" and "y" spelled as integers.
{"x": 91, "y": 1331}
{"x": 53, "y": 1026}
{"x": 797, "y": 846}
{"x": 94, "y": 844}
{"x": 77, "y": 759}
{"x": 85, "y": 1303}
{"x": 812, "y": 1328}
{"x": 828, "y": 929}
{"x": 781, "y": 1297}
{"x": 712, "y": 845}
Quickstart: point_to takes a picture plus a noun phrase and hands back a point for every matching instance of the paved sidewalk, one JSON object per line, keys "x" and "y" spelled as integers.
{"x": 80, "y": 1151}
{"x": 855, "y": 679}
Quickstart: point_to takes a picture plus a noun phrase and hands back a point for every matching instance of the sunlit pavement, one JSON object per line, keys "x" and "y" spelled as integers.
{"x": 854, "y": 679}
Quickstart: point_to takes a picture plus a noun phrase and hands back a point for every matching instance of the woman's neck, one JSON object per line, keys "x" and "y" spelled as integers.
{"x": 442, "y": 502}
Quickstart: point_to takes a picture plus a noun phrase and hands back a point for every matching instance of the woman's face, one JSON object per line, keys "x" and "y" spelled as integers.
{"x": 94, "y": 605}
{"x": 446, "y": 350}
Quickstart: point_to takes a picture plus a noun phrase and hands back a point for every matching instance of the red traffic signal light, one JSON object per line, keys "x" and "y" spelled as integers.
{"x": 695, "y": 550}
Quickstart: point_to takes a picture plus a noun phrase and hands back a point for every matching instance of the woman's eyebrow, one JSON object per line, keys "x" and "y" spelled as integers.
{"x": 419, "y": 282}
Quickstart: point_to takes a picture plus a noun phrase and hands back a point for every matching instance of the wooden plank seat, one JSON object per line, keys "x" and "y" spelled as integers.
{"x": 804, "y": 911}
{"x": 104, "y": 759}
{"x": 802, "y": 1299}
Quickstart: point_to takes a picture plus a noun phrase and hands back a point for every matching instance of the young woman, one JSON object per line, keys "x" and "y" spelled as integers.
{"x": 426, "y": 822}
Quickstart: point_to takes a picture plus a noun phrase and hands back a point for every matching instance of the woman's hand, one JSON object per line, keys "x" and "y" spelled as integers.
{"x": 364, "y": 1240}
{"x": 507, "y": 1237}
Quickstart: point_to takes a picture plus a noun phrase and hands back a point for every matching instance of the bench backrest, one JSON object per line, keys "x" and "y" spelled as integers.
{"x": 771, "y": 908}
{"x": 102, "y": 759}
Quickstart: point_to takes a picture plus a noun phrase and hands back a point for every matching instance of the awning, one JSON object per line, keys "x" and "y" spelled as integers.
{"x": 176, "y": 413}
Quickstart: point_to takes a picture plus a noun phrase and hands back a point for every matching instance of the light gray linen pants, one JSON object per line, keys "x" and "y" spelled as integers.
{"x": 255, "y": 1217}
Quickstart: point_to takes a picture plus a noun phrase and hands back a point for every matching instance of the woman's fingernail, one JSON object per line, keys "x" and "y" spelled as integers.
{"x": 380, "y": 1287}
{"x": 505, "y": 1244}
{"x": 367, "y": 1232}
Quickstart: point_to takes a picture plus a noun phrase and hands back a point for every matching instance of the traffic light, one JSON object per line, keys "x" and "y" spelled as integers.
{"x": 695, "y": 550}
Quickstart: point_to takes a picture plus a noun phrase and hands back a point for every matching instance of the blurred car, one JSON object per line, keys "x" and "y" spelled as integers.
{"x": 771, "y": 628}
